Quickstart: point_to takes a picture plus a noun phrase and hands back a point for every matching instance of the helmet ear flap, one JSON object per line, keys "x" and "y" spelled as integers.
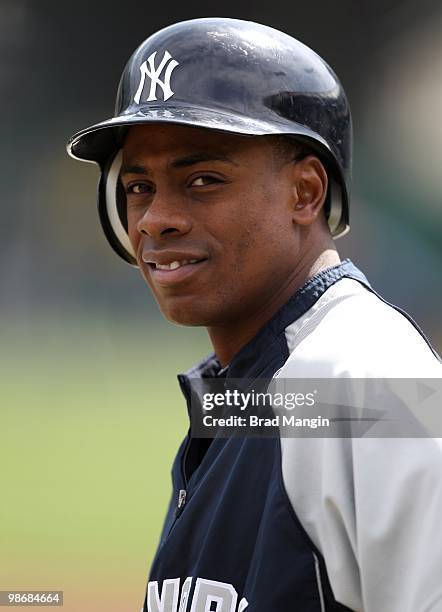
{"x": 337, "y": 208}
{"x": 112, "y": 209}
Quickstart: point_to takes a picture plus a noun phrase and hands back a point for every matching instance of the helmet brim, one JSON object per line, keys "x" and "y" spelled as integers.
{"x": 97, "y": 142}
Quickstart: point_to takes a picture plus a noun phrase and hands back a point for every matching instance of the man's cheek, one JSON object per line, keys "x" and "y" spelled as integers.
{"x": 134, "y": 236}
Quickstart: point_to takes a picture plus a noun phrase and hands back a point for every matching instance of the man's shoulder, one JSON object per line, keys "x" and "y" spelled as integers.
{"x": 351, "y": 331}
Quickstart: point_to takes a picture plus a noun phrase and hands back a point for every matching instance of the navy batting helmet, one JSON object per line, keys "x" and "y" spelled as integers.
{"x": 229, "y": 75}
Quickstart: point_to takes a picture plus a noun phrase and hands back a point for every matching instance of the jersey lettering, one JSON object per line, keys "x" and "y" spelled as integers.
{"x": 169, "y": 596}
{"x": 208, "y": 596}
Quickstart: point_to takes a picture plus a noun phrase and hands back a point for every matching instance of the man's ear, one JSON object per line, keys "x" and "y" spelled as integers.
{"x": 310, "y": 184}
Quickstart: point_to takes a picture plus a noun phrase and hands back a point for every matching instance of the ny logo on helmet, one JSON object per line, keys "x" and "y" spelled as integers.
{"x": 154, "y": 75}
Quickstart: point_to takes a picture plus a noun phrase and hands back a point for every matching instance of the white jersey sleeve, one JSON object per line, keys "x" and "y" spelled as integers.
{"x": 372, "y": 506}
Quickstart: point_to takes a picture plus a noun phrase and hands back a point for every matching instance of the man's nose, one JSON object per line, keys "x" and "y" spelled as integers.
{"x": 167, "y": 213}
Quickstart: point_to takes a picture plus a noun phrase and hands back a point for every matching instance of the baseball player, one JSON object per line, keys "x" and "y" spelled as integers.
{"x": 225, "y": 177}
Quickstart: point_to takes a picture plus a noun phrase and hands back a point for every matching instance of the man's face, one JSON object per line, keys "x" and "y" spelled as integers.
{"x": 221, "y": 206}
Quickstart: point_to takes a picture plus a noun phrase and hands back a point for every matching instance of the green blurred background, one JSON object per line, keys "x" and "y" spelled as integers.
{"x": 91, "y": 412}
{"x": 91, "y": 420}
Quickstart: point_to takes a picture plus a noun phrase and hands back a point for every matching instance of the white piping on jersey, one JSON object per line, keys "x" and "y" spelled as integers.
{"x": 319, "y": 582}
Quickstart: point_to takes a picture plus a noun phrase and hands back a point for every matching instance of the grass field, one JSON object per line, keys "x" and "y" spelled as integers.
{"x": 91, "y": 418}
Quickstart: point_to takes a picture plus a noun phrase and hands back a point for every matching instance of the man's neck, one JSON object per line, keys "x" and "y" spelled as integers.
{"x": 228, "y": 340}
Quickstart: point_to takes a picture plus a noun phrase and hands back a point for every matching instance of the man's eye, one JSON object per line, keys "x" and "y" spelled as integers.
{"x": 139, "y": 188}
{"x": 203, "y": 181}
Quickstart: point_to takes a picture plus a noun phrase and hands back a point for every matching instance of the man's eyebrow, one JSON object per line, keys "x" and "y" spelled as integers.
{"x": 180, "y": 162}
{"x": 196, "y": 158}
{"x": 133, "y": 169}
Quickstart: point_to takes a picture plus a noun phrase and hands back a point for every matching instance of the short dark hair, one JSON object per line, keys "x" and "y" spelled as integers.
{"x": 290, "y": 148}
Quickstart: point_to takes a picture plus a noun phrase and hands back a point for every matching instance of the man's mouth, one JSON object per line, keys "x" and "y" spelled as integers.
{"x": 176, "y": 271}
{"x": 169, "y": 266}
{"x": 174, "y": 265}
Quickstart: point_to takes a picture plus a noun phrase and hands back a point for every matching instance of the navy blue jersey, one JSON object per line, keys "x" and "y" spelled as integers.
{"x": 232, "y": 539}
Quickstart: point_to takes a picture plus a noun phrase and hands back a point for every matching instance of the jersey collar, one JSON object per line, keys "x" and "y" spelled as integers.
{"x": 266, "y": 351}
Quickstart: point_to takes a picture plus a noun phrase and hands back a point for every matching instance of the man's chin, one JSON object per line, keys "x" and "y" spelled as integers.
{"x": 200, "y": 311}
{"x": 185, "y": 315}
{"x": 187, "y": 320}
